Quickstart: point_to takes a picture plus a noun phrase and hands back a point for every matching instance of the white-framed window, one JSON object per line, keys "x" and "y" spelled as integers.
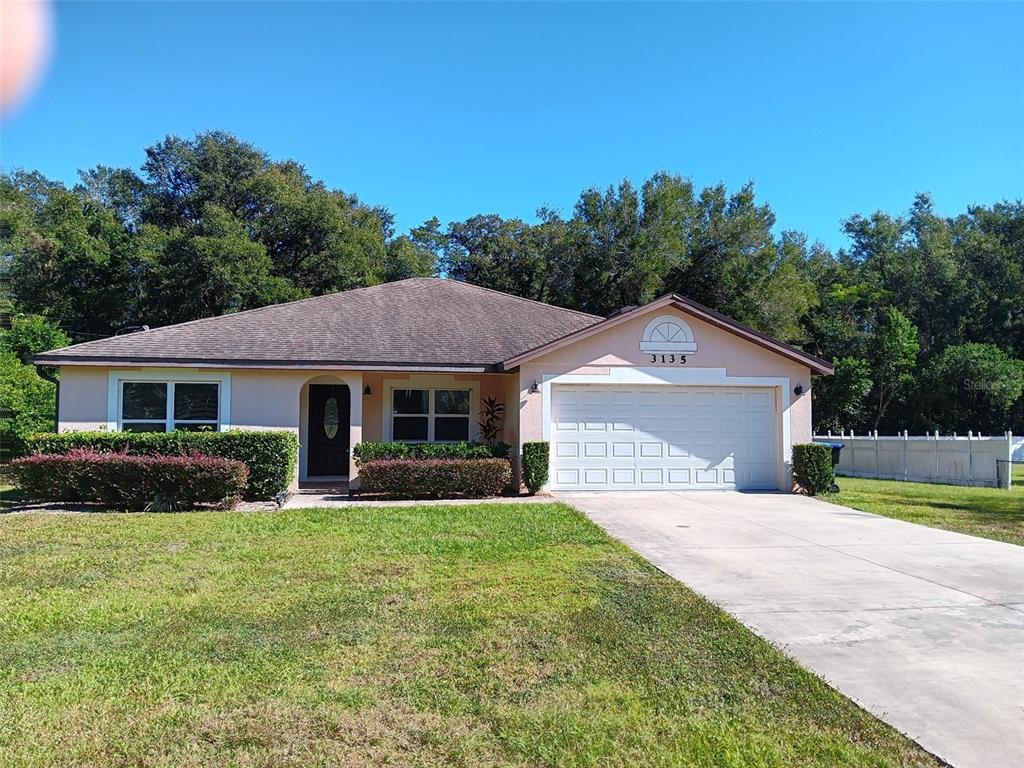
{"x": 163, "y": 406}
{"x": 430, "y": 414}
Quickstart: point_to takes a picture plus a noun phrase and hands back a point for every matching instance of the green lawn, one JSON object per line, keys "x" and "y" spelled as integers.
{"x": 490, "y": 635}
{"x": 993, "y": 513}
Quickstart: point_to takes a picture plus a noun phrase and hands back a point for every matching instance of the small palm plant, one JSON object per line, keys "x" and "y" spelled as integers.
{"x": 492, "y": 415}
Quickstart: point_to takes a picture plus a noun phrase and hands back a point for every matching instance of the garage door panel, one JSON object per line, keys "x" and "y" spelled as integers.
{"x": 651, "y": 476}
{"x": 679, "y": 477}
{"x": 623, "y": 450}
{"x": 567, "y": 477}
{"x": 732, "y": 399}
{"x": 651, "y": 450}
{"x": 623, "y": 476}
{"x": 707, "y": 477}
{"x": 663, "y": 437}
{"x": 761, "y": 400}
{"x": 566, "y": 450}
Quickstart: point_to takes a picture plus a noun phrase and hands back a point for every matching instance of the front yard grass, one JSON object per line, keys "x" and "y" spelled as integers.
{"x": 489, "y": 635}
{"x": 992, "y": 513}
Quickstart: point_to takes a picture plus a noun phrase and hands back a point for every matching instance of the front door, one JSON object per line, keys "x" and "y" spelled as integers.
{"x": 327, "y": 454}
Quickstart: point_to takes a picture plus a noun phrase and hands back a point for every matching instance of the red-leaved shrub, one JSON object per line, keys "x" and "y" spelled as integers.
{"x": 124, "y": 481}
{"x": 436, "y": 478}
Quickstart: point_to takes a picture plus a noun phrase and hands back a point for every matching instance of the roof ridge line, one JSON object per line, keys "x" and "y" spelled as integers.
{"x": 503, "y": 293}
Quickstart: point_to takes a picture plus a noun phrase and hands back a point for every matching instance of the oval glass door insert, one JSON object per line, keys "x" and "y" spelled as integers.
{"x": 331, "y": 419}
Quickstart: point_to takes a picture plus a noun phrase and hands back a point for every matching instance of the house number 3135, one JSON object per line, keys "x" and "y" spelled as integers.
{"x": 679, "y": 359}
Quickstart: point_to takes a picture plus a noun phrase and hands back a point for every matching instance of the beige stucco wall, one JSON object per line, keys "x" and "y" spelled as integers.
{"x": 499, "y": 386}
{"x": 83, "y": 399}
{"x": 269, "y": 399}
{"x": 619, "y": 347}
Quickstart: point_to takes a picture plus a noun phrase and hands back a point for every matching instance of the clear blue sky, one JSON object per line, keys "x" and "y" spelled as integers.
{"x": 452, "y": 110}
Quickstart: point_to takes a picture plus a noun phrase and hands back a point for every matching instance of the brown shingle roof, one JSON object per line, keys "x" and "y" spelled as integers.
{"x": 417, "y": 322}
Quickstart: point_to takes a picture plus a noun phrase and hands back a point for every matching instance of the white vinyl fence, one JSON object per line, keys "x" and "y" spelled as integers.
{"x": 970, "y": 460}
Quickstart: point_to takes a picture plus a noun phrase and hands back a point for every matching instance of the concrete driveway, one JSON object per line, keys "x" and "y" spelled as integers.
{"x": 922, "y": 627}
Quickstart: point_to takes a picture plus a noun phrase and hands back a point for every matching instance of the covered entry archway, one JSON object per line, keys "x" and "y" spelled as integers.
{"x": 330, "y": 424}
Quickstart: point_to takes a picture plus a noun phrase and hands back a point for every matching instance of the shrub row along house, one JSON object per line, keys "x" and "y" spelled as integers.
{"x": 670, "y": 395}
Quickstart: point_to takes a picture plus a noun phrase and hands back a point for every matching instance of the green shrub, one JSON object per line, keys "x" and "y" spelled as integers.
{"x": 371, "y": 451}
{"x": 435, "y": 478}
{"x": 269, "y": 455}
{"x": 812, "y": 468}
{"x": 126, "y": 481}
{"x": 535, "y": 464}
{"x": 28, "y": 404}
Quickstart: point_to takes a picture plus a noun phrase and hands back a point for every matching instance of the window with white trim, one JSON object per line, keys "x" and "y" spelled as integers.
{"x": 163, "y": 406}
{"x": 434, "y": 415}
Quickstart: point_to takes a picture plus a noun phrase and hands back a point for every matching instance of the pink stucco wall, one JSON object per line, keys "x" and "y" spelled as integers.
{"x": 619, "y": 347}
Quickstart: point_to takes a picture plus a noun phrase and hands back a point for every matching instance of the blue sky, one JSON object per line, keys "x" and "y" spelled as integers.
{"x": 452, "y": 110}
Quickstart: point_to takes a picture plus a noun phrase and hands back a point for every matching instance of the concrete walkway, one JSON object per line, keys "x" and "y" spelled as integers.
{"x": 320, "y": 500}
{"x": 922, "y": 627}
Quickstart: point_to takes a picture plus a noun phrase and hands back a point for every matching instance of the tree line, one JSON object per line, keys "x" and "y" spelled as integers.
{"x": 923, "y": 315}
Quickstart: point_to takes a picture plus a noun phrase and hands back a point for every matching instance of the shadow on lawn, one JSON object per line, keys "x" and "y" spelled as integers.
{"x": 9, "y": 497}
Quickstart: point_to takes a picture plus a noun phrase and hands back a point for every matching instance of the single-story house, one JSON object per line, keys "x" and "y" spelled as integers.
{"x": 669, "y": 395}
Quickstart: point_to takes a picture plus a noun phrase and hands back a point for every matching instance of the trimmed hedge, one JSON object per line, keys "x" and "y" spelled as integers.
{"x": 812, "y": 468}
{"x": 371, "y": 451}
{"x": 125, "y": 481}
{"x": 270, "y": 455}
{"x": 536, "y": 457}
{"x": 435, "y": 478}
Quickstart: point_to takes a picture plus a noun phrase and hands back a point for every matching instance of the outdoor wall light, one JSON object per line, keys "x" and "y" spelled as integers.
{"x": 534, "y": 388}
{"x": 798, "y": 390}
{"x": 367, "y": 390}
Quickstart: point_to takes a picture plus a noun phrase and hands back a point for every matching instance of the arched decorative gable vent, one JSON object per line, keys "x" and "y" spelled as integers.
{"x": 668, "y": 334}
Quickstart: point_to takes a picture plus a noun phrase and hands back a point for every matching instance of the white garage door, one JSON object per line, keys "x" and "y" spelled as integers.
{"x": 663, "y": 437}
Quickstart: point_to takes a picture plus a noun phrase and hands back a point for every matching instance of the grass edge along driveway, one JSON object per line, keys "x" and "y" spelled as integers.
{"x": 992, "y": 513}
{"x": 490, "y": 635}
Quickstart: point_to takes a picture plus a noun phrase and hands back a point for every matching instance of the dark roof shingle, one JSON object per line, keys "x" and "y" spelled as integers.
{"x": 416, "y": 322}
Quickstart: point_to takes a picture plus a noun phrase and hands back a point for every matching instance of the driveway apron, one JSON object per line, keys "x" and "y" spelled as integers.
{"x": 922, "y": 627}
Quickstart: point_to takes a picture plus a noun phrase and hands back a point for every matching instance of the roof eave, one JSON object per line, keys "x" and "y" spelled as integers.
{"x": 816, "y": 364}
{"x": 255, "y": 364}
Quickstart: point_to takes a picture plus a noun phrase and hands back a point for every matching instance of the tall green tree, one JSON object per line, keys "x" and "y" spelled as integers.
{"x": 896, "y": 349}
{"x": 841, "y": 400}
{"x": 73, "y": 261}
{"x": 417, "y": 254}
{"x": 973, "y": 387}
{"x": 208, "y": 268}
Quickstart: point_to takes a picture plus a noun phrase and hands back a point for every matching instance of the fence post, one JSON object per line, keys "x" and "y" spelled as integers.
{"x": 906, "y": 470}
{"x": 1008, "y": 482}
{"x": 936, "y": 448}
{"x": 876, "y": 455}
{"x": 970, "y": 458}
